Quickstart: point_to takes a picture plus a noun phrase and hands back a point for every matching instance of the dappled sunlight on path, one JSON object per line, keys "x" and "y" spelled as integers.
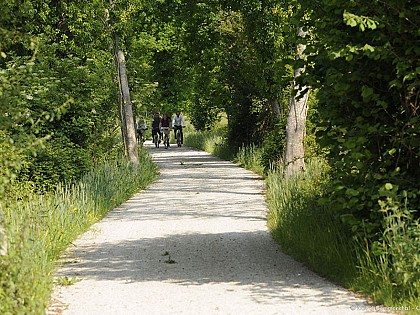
{"x": 194, "y": 242}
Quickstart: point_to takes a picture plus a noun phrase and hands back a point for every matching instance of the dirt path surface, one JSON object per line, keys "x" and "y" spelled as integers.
{"x": 195, "y": 242}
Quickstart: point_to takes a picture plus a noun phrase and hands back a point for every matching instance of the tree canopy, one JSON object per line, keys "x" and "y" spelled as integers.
{"x": 58, "y": 88}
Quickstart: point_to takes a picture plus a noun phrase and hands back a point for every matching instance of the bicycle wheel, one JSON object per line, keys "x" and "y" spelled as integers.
{"x": 178, "y": 138}
{"x": 156, "y": 140}
{"x": 166, "y": 141}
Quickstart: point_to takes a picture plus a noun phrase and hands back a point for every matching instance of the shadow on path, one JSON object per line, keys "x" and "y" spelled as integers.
{"x": 194, "y": 242}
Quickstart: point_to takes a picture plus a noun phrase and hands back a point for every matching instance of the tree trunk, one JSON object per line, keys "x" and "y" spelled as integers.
{"x": 294, "y": 157}
{"x": 128, "y": 129}
{"x": 275, "y": 108}
{"x": 128, "y": 120}
{"x": 3, "y": 235}
{"x": 121, "y": 109}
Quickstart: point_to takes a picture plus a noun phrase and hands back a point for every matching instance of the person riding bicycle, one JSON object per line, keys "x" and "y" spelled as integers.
{"x": 156, "y": 127}
{"x": 178, "y": 122}
{"x": 140, "y": 128}
{"x": 166, "y": 124}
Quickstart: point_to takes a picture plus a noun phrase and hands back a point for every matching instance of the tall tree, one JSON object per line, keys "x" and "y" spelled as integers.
{"x": 294, "y": 156}
{"x": 128, "y": 129}
{"x": 128, "y": 123}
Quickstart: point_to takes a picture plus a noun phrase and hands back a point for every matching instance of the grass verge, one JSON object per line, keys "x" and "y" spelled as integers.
{"x": 307, "y": 230}
{"x": 37, "y": 228}
{"x": 214, "y": 142}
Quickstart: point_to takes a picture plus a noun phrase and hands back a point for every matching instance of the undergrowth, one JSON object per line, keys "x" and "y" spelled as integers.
{"x": 214, "y": 142}
{"x": 307, "y": 230}
{"x": 392, "y": 262}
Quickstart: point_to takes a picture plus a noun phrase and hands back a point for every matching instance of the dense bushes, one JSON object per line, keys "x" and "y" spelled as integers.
{"x": 60, "y": 161}
{"x": 370, "y": 126}
{"x": 364, "y": 64}
{"x": 55, "y": 84}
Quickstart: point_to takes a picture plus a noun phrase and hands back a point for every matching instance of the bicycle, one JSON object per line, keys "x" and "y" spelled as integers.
{"x": 178, "y": 138}
{"x": 156, "y": 140}
{"x": 156, "y": 136}
{"x": 139, "y": 136}
{"x": 166, "y": 131}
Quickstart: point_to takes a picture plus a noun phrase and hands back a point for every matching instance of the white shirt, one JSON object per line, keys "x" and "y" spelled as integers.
{"x": 178, "y": 121}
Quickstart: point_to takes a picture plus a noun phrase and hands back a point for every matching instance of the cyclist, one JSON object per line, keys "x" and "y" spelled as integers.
{"x": 166, "y": 124}
{"x": 178, "y": 122}
{"x": 140, "y": 128}
{"x": 156, "y": 127}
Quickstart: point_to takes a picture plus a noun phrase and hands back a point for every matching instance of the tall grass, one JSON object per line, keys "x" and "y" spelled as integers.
{"x": 250, "y": 157}
{"x": 214, "y": 142}
{"x": 39, "y": 227}
{"x": 392, "y": 262}
{"x": 306, "y": 229}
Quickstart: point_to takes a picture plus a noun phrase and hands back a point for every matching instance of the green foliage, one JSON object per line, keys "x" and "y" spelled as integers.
{"x": 250, "y": 157}
{"x": 39, "y": 227}
{"x": 209, "y": 58}
{"x": 272, "y": 151}
{"x": 392, "y": 260}
{"x": 57, "y": 118}
{"x": 61, "y": 161}
{"x": 212, "y": 141}
{"x": 19, "y": 132}
{"x": 369, "y": 126}
{"x": 363, "y": 57}
{"x": 273, "y": 147}
{"x": 11, "y": 160}
{"x": 55, "y": 83}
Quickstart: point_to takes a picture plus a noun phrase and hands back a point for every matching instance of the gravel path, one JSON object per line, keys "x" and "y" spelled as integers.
{"x": 195, "y": 242}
